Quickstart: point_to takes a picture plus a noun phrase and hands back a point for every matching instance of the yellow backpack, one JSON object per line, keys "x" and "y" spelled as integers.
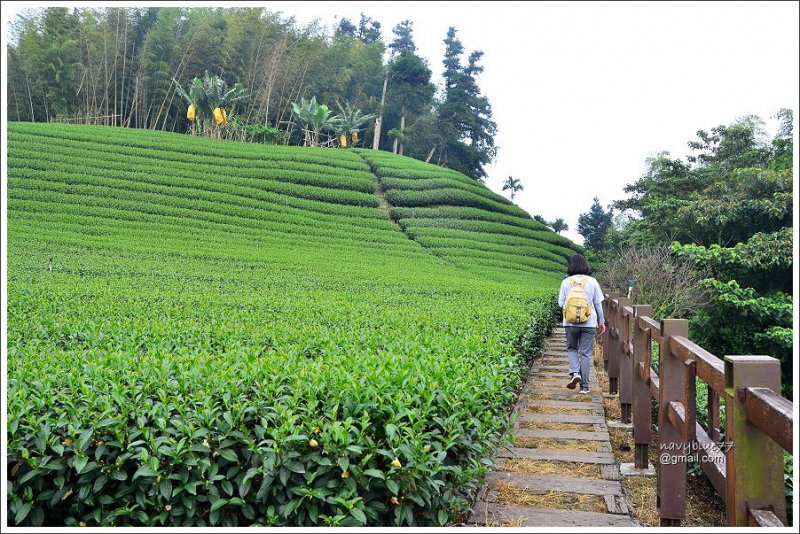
{"x": 577, "y": 307}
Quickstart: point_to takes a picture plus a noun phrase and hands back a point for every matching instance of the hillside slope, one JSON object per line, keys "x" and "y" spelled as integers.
{"x": 214, "y": 333}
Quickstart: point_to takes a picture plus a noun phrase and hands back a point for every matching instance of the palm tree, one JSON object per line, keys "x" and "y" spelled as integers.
{"x": 349, "y": 122}
{"x": 514, "y": 185}
{"x": 559, "y": 225}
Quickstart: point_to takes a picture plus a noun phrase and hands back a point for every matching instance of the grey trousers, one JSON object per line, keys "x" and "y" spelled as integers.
{"x": 579, "y": 348}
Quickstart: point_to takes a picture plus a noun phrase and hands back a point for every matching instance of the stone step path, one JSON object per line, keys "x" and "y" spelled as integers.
{"x": 570, "y": 478}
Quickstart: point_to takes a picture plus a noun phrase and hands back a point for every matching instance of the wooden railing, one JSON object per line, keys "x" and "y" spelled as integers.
{"x": 746, "y": 468}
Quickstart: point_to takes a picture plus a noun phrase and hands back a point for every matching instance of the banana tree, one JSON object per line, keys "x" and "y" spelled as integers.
{"x": 210, "y": 98}
{"x": 312, "y": 119}
{"x": 349, "y": 122}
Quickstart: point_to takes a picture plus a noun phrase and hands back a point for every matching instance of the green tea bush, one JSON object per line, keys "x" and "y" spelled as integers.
{"x": 448, "y": 196}
{"x": 212, "y": 333}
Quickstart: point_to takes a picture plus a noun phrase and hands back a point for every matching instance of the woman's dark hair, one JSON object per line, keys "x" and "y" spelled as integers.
{"x": 577, "y": 265}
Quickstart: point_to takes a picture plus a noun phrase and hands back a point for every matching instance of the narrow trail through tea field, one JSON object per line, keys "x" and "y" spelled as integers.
{"x": 561, "y": 471}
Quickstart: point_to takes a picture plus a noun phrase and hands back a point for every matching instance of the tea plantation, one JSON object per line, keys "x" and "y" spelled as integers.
{"x": 207, "y": 333}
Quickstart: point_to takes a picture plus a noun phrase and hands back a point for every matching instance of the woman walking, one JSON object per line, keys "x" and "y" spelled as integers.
{"x": 580, "y": 299}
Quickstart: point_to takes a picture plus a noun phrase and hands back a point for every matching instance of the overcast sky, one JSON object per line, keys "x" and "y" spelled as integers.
{"x": 583, "y": 92}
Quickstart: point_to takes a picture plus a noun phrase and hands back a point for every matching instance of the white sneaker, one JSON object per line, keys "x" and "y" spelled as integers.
{"x": 574, "y": 381}
{"x": 584, "y": 391}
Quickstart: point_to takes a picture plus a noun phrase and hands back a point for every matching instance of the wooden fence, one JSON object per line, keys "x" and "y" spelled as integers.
{"x": 746, "y": 467}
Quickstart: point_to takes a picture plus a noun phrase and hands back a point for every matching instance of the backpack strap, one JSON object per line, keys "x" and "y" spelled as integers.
{"x": 582, "y": 283}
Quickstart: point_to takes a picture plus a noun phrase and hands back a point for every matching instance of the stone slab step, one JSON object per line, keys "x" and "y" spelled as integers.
{"x": 557, "y": 455}
{"x": 562, "y": 434}
{"x": 562, "y": 418}
{"x": 492, "y": 514}
{"x": 564, "y": 404}
{"x": 550, "y": 483}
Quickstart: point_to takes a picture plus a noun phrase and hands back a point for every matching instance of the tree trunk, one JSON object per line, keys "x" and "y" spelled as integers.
{"x": 402, "y": 127}
{"x": 430, "y": 154}
{"x": 376, "y": 141}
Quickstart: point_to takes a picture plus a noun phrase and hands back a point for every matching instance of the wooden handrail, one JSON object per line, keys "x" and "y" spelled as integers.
{"x": 710, "y": 369}
{"x": 746, "y": 470}
{"x": 771, "y": 413}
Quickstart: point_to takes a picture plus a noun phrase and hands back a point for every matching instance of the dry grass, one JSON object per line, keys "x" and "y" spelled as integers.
{"x": 622, "y": 444}
{"x": 551, "y": 362}
{"x": 556, "y": 444}
{"x": 557, "y": 469}
{"x": 539, "y": 395}
{"x": 520, "y": 521}
{"x": 642, "y": 496}
{"x": 557, "y": 409}
{"x": 704, "y": 506}
{"x": 508, "y": 494}
{"x": 612, "y": 408}
{"x": 553, "y": 425}
{"x": 550, "y": 384}
{"x": 599, "y": 368}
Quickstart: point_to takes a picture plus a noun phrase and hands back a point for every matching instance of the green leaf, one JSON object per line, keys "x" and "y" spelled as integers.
{"x": 295, "y": 467}
{"x": 144, "y": 471}
{"x": 99, "y": 483}
{"x": 80, "y": 463}
{"x": 358, "y": 514}
{"x": 393, "y": 486}
{"x": 229, "y": 455}
{"x": 374, "y": 473}
{"x": 443, "y": 517}
{"x": 219, "y": 503}
{"x": 22, "y": 513}
{"x": 165, "y": 487}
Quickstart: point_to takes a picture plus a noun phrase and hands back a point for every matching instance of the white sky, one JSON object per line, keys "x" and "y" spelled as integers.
{"x": 583, "y": 92}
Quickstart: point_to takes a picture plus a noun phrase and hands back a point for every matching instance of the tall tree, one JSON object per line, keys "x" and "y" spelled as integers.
{"x": 729, "y": 210}
{"x": 369, "y": 30}
{"x": 403, "y": 37}
{"x": 594, "y": 225}
{"x": 514, "y": 185}
{"x": 466, "y": 128}
{"x": 410, "y": 91}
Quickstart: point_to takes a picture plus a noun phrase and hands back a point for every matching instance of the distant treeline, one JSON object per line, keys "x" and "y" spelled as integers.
{"x": 115, "y": 66}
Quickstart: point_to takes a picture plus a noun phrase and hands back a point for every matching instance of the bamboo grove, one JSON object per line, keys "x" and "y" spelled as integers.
{"x": 116, "y": 66}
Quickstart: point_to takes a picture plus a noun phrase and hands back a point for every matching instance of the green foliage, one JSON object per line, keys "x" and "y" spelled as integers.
{"x": 514, "y": 185}
{"x": 115, "y": 66}
{"x": 743, "y": 322}
{"x": 788, "y": 470}
{"x": 466, "y": 128}
{"x": 351, "y": 121}
{"x": 559, "y": 225}
{"x": 763, "y": 262}
{"x": 203, "y": 333}
{"x": 313, "y": 120}
{"x": 208, "y": 94}
{"x": 260, "y": 133}
{"x": 594, "y": 225}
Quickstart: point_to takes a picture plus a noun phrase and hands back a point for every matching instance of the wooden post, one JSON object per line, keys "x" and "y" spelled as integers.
{"x": 615, "y": 359}
{"x": 606, "y": 337}
{"x": 673, "y": 449}
{"x": 713, "y": 415}
{"x": 754, "y": 461}
{"x": 625, "y": 363}
{"x": 641, "y": 387}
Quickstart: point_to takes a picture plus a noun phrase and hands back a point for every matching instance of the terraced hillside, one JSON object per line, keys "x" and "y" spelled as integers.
{"x": 214, "y": 333}
{"x": 462, "y": 221}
